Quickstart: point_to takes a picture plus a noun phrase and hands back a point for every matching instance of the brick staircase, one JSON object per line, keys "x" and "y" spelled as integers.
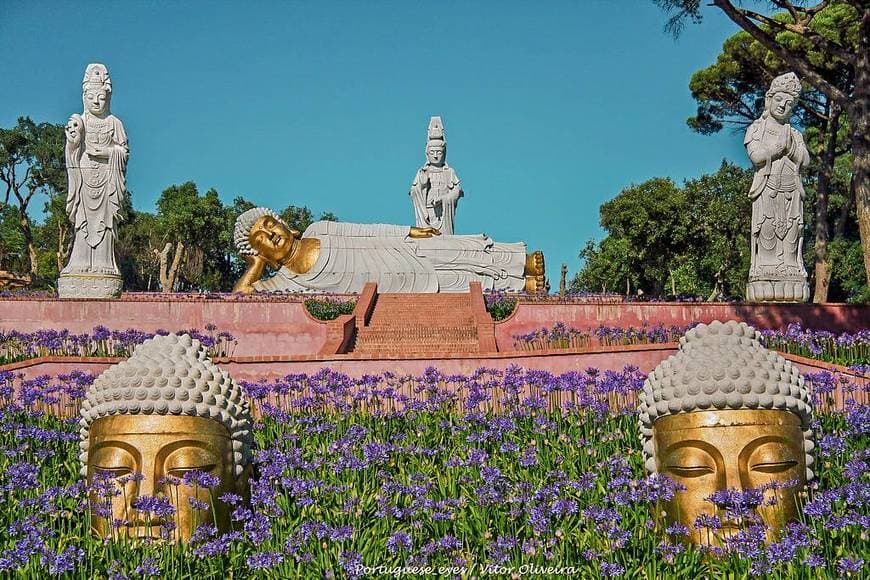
{"x": 398, "y": 325}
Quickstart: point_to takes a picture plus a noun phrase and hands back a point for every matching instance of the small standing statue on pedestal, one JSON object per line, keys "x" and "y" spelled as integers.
{"x": 777, "y": 151}
{"x": 435, "y": 191}
{"x": 96, "y": 163}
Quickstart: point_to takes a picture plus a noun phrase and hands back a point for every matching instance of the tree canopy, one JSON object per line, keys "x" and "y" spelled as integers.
{"x": 663, "y": 238}
{"x": 827, "y": 43}
{"x": 730, "y": 92}
{"x": 186, "y": 244}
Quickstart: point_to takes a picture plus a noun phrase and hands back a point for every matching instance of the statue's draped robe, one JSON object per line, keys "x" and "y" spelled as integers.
{"x": 96, "y": 192}
{"x": 353, "y": 254}
{"x": 777, "y": 200}
{"x": 435, "y": 193}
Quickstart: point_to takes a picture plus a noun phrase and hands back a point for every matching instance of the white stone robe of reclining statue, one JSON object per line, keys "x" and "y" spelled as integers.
{"x": 353, "y": 254}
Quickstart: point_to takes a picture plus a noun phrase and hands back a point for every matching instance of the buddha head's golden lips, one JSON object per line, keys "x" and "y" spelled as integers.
{"x": 164, "y": 434}
{"x": 728, "y": 420}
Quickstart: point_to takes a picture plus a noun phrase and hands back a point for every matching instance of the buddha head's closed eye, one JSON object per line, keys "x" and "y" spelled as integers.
{"x": 728, "y": 420}
{"x": 164, "y": 434}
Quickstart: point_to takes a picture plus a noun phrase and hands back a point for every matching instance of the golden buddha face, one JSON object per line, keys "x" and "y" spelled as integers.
{"x": 710, "y": 451}
{"x": 145, "y": 456}
{"x": 272, "y": 239}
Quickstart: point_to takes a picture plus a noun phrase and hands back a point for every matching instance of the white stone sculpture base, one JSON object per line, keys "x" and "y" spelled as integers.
{"x": 87, "y": 285}
{"x": 777, "y": 291}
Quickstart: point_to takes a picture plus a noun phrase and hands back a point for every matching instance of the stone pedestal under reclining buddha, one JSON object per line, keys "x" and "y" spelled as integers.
{"x": 342, "y": 257}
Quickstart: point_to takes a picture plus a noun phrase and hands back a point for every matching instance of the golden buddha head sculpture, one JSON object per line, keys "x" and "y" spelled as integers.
{"x": 164, "y": 434}
{"x": 260, "y": 231}
{"x": 729, "y": 421}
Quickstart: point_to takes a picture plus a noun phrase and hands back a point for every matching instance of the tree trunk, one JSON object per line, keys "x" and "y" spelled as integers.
{"x": 826, "y": 172}
{"x": 62, "y": 250}
{"x": 169, "y": 273}
{"x": 860, "y": 122}
{"x": 176, "y": 264}
{"x": 27, "y": 232}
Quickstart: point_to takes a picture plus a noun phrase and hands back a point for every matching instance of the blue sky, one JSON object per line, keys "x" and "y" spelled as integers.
{"x": 550, "y": 108}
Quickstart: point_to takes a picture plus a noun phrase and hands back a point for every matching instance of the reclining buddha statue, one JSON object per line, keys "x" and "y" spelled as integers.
{"x": 341, "y": 257}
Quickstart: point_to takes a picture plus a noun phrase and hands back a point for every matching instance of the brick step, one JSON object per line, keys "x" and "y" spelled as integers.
{"x": 427, "y": 353}
{"x": 420, "y": 348}
{"x": 419, "y": 324}
{"x": 413, "y": 321}
{"x": 452, "y": 317}
{"x": 424, "y": 297}
{"x": 421, "y": 308}
{"x": 416, "y": 335}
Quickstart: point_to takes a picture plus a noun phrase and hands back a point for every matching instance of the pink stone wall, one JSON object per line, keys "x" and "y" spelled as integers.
{"x": 254, "y": 368}
{"x": 530, "y": 316}
{"x": 283, "y": 327}
{"x": 278, "y": 327}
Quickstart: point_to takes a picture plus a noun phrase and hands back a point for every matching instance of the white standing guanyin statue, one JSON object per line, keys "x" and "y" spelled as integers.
{"x": 338, "y": 257}
{"x": 96, "y": 161}
{"x": 436, "y": 191}
{"x": 778, "y": 152}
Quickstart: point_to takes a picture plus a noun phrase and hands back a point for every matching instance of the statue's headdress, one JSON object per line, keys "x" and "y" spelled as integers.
{"x": 436, "y": 133}
{"x": 170, "y": 375}
{"x": 787, "y": 83}
{"x": 97, "y": 77}
{"x": 244, "y": 223}
{"x": 723, "y": 366}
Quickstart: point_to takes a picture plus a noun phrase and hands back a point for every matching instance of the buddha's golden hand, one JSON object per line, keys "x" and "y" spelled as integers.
{"x": 256, "y": 265}
{"x": 423, "y": 232}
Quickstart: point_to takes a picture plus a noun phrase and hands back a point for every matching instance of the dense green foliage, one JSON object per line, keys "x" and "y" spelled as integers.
{"x": 826, "y": 42}
{"x": 328, "y": 308}
{"x": 31, "y": 164}
{"x": 31, "y": 168}
{"x": 500, "y": 305}
{"x": 666, "y": 239}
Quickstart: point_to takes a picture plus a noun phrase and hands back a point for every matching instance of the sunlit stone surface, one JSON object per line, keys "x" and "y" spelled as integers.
{"x": 96, "y": 163}
{"x": 777, "y": 151}
{"x": 436, "y": 190}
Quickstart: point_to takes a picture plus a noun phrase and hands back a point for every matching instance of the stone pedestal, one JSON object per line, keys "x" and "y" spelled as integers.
{"x": 86, "y": 285}
{"x": 778, "y": 291}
